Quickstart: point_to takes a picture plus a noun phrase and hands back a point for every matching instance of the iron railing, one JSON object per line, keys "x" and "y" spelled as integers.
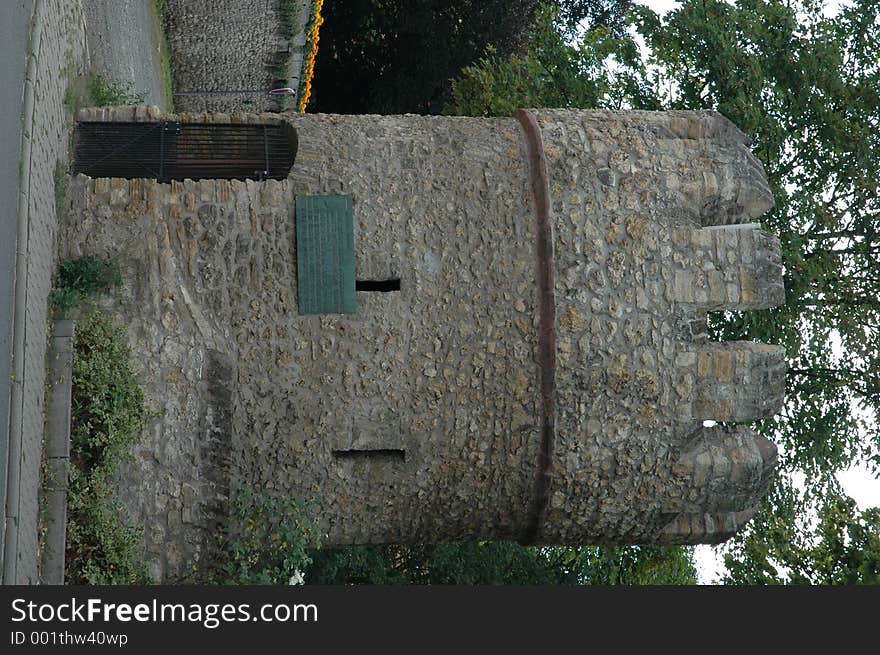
{"x": 176, "y": 151}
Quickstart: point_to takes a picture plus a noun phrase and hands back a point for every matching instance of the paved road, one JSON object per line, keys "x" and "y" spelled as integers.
{"x": 123, "y": 46}
{"x": 15, "y": 18}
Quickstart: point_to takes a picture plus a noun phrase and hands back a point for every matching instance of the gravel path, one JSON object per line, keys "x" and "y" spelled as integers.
{"x": 123, "y": 45}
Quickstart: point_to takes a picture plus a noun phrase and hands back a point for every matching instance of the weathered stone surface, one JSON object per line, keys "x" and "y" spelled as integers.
{"x": 418, "y": 417}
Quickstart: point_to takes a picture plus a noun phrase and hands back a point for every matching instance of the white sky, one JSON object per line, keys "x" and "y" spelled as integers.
{"x": 857, "y": 482}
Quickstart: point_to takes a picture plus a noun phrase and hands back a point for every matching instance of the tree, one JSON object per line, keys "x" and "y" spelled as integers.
{"x": 788, "y": 543}
{"x": 397, "y": 56}
{"x": 552, "y": 72}
{"x": 590, "y": 15}
{"x": 805, "y": 86}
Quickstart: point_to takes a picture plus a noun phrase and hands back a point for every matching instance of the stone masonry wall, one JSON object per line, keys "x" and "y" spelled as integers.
{"x": 177, "y": 486}
{"x": 417, "y": 418}
{"x": 636, "y": 273}
{"x": 230, "y": 45}
{"x": 249, "y": 392}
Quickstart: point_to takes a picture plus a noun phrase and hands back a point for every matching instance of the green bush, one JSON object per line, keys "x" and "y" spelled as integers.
{"x": 107, "y": 412}
{"x": 79, "y": 279}
{"x": 268, "y": 539}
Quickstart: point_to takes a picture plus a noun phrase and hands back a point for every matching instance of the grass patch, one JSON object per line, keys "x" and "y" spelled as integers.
{"x": 107, "y": 94}
{"x": 77, "y": 280}
{"x": 266, "y": 542}
{"x": 107, "y": 412}
{"x": 166, "y": 66}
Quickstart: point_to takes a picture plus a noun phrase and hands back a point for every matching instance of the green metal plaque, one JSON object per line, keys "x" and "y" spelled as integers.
{"x": 325, "y": 255}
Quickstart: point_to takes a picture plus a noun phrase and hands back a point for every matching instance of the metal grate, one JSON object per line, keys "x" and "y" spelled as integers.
{"x": 177, "y": 151}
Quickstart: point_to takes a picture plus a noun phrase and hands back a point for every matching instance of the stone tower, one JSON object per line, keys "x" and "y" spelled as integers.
{"x": 541, "y": 370}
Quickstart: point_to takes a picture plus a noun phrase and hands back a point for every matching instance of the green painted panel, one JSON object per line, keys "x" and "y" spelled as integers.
{"x": 325, "y": 255}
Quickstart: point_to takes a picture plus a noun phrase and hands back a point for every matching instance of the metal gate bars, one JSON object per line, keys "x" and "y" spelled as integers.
{"x": 169, "y": 151}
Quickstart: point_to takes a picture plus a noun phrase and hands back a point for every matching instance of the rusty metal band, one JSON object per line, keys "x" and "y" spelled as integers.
{"x": 540, "y": 191}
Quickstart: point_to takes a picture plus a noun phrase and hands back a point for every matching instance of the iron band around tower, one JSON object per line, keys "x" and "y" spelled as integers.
{"x": 539, "y": 189}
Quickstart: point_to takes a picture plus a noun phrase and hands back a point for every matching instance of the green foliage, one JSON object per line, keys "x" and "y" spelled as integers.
{"x": 267, "y": 541}
{"x": 804, "y": 86}
{"x": 397, "y": 56}
{"x": 632, "y": 565}
{"x": 78, "y": 279}
{"x": 107, "y": 412}
{"x": 789, "y": 543}
{"x": 498, "y": 563}
{"x": 599, "y": 71}
{"x": 75, "y": 92}
{"x": 289, "y": 10}
{"x": 106, "y": 94}
{"x": 578, "y": 15}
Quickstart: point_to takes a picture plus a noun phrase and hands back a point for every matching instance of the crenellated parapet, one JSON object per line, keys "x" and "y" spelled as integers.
{"x": 651, "y": 228}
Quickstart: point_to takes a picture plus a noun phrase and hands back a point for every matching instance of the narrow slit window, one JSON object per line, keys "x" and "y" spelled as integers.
{"x": 377, "y": 285}
{"x": 372, "y": 454}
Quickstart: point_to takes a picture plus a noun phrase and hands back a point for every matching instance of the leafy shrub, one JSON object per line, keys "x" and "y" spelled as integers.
{"x": 268, "y": 539}
{"x": 81, "y": 278}
{"x": 107, "y": 412}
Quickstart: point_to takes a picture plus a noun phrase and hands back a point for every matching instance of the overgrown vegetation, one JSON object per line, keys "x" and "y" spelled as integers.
{"x": 267, "y": 541}
{"x": 312, "y": 31}
{"x": 289, "y": 11}
{"x": 77, "y": 280}
{"x": 108, "y": 94}
{"x": 397, "y": 56}
{"x": 75, "y": 93}
{"x": 94, "y": 90}
{"x": 107, "y": 412}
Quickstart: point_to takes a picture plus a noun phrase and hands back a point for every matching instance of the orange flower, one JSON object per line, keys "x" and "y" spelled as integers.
{"x": 309, "y": 65}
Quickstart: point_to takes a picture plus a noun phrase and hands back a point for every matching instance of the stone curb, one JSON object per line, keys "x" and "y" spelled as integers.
{"x": 57, "y": 451}
{"x": 13, "y": 481}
